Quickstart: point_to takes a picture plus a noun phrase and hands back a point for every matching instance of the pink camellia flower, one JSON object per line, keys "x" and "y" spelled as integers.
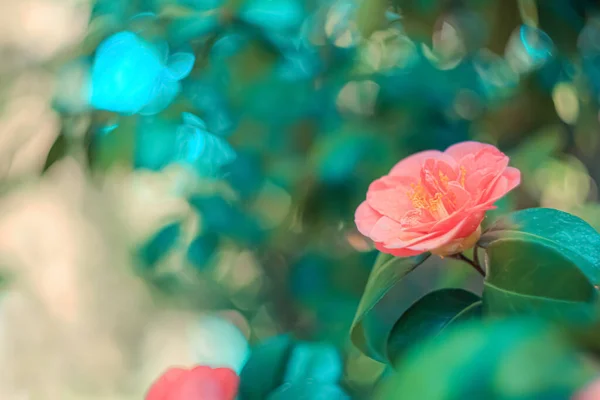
{"x": 434, "y": 201}
{"x": 199, "y": 383}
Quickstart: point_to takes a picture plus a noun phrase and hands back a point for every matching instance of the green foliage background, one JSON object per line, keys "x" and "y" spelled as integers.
{"x": 284, "y": 211}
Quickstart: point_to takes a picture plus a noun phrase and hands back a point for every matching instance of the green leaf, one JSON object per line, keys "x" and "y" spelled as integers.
{"x": 430, "y": 316}
{"x": 395, "y": 284}
{"x": 500, "y": 303}
{"x": 309, "y": 390}
{"x": 502, "y": 359}
{"x": 265, "y": 369}
{"x": 387, "y": 272}
{"x": 541, "y": 261}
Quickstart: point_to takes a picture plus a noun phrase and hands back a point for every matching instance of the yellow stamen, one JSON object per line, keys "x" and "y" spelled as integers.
{"x": 462, "y": 176}
{"x": 444, "y": 179}
{"x": 422, "y": 200}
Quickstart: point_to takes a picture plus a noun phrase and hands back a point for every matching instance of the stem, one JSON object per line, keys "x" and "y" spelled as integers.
{"x": 474, "y": 264}
{"x": 476, "y": 255}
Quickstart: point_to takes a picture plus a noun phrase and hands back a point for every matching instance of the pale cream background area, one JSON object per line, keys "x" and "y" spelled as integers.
{"x": 75, "y": 322}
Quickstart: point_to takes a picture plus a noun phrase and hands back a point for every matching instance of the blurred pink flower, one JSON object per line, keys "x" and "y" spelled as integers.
{"x": 200, "y": 382}
{"x": 590, "y": 392}
{"x": 434, "y": 201}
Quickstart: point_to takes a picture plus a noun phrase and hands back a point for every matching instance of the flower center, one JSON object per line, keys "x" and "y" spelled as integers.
{"x": 432, "y": 193}
{"x": 422, "y": 199}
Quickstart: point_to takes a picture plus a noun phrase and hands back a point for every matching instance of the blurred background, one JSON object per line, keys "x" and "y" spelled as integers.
{"x": 118, "y": 260}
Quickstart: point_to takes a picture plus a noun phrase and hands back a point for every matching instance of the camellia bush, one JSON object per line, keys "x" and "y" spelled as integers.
{"x": 392, "y": 200}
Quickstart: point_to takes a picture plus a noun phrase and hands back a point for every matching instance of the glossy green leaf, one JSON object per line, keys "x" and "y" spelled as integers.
{"x": 541, "y": 260}
{"x": 501, "y": 303}
{"x": 387, "y": 272}
{"x": 430, "y": 316}
{"x": 505, "y": 359}
{"x": 395, "y": 284}
{"x": 309, "y": 390}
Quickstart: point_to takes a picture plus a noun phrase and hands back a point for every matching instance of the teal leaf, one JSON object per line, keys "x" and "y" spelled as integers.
{"x": 430, "y": 316}
{"x": 164, "y": 94}
{"x": 124, "y": 74}
{"x": 503, "y": 359}
{"x": 140, "y": 22}
{"x": 273, "y": 14}
{"x": 162, "y": 48}
{"x": 265, "y": 369}
{"x": 541, "y": 261}
{"x": 205, "y": 152}
{"x": 155, "y": 144}
{"x": 193, "y": 26}
{"x": 201, "y": 250}
{"x": 179, "y": 65}
{"x": 319, "y": 362}
{"x": 191, "y": 119}
{"x": 160, "y": 244}
{"x": 309, "y": 390}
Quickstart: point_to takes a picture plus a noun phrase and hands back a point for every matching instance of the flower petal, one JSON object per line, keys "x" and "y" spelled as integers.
{"x": 389, "y": 196}
{"x": 191, "y": 388}
{"x": 436, "y": 174}
{"x": 396, "y": 252}
{"x": 440, "y": 239}
{"x": 477, "y": 182}
{"x": 457, "y": 228}
{"x": 366, "y": 218}
{"x": 459, "y": 197}
{"x": 509, "y": 180}
{"x": 163, "y": 385}
{"x": 463, "y": 203}
{"x": 411, "y": 165}
{"x": 460, "y": 150}
{"x": 229, "y": 380}
{"x": 206, "y": 383}
{"x": 399, "y": 239}
{"x": 417, "y": 220}
{"x": 386, "y": 230}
